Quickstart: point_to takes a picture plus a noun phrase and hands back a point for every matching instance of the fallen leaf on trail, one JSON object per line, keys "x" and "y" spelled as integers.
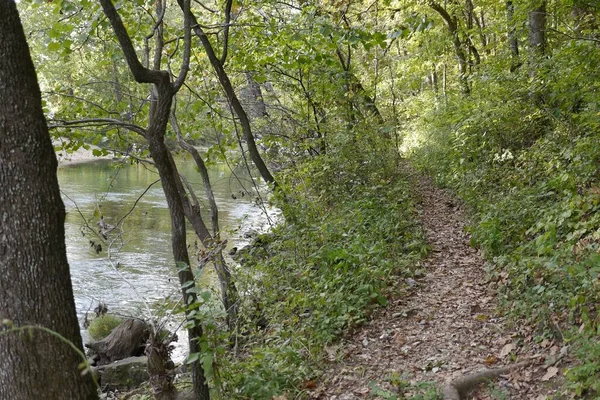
{"x": 541, "y": 397}
{"x": 550, "y": 373}
{"x": 363, "y": 390}
{"x": 475, "y": 309}
{"x": 282, "y": 397}
{"x": 309, "y": 384}
{"x": 545, "y": 343}
{"x": 507, "y": 349}
{"x": 491, "y": 359}
{"x": 399, "y": 341}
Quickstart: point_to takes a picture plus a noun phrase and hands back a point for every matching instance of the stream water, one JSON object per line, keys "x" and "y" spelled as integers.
{"x": 146, "y": 273}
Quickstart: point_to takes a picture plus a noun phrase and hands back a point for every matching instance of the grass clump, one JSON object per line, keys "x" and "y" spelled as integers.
{"x": 101, "y": 326}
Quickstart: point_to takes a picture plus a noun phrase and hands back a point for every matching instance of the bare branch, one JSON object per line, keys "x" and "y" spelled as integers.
{"x": 85, "y": 101}
{"x": 187, "y": 40}
{"x": 97, "y": 122}
{"x": 226, "y": 31}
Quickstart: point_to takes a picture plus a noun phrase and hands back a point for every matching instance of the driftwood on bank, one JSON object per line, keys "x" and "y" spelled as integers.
{"x": 126, "y": 340}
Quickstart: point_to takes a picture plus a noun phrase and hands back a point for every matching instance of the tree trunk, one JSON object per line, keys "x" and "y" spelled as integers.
{"x": 537, "y": 44}
{"x": 451, "y": 23}
{"x": 513, "y": 42}
{"x": 229, "y": 294}
{"x": 163, "y": 92}
{"x": 258, "y": 102}
{"x": 35, "y": 284}
{"x": 234, "y": 101}
{"x": 537, "y": 29}
{"x": 173, "y": 190}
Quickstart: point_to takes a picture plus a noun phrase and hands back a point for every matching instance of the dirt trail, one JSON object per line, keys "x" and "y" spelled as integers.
{"x": 446, "y": 327}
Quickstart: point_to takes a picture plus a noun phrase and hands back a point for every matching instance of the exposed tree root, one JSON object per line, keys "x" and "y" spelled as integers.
{"x": 460, "y": 387}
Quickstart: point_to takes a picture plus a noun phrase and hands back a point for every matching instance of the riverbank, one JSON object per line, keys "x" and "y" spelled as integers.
{"x": 69, "y": 155}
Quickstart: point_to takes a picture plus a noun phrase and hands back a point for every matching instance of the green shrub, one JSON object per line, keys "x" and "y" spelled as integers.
{"x": 100, "y": 327}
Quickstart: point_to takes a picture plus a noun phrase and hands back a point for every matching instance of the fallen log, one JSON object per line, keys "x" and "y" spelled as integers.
{"x": 459, "y": 388}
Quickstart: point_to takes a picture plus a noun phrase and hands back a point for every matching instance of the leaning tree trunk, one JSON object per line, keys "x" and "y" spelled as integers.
{"x": 35, "y": 284}
{"x": 163, "y": 92}
{"x": 234, "y": 101}
{"x": 229, "y": 294}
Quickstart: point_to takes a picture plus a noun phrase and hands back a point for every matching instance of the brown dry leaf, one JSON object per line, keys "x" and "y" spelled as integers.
{"x": 545, "y": 343}
{"x": 550, "y": 373}
{"x": 490, "y": 359}
{"x": 309, "y": 384}
{"x": 363, "y": 390}
{"x": 399, "y": 340}
{"x": 475, "y": 308}
{"x": 507, "y": 349}
{"x": 282, "y": 397}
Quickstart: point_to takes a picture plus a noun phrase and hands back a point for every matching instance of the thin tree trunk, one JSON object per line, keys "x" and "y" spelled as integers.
{"x": 35, "y": 283}
{"x": 356, "y": 87}
{"x": 233, "y": 100}
{"x": 513, "y": 42}
{"x": 257, "y": 97}
{"x": 163, "y": 91}
{"x": 229, "y": 294}
{"x": 451, "y": 23}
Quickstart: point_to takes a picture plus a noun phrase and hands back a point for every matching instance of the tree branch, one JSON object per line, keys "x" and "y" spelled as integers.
{"x": 140, "y": 73}
{"x": 97, "y": 122}
{"x": 226, "y": 31}
{"x": 187, "y": 39}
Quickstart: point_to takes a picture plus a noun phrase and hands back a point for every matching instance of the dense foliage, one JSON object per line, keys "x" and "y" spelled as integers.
{"x": 529, "y": 168}
{"x": 498, "y": 101}
{"x": 353, "y": 239}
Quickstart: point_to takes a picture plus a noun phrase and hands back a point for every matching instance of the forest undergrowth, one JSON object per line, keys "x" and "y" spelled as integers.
{"x": 531, "y": 180}
{"x": 338, "y": 257}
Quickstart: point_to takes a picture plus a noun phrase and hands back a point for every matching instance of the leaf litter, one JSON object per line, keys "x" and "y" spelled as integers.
{"x": 441, "y": 326}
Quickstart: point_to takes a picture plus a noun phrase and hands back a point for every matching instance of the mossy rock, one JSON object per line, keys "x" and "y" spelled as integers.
{"x": 100, "y": 327}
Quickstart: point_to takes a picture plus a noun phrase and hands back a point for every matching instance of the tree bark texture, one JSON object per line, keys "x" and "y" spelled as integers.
{"x": 537, "y": 29}
{"x": 35, "y": 283}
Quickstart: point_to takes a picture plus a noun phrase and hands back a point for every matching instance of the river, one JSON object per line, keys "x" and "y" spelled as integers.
{"x": 146, "y": 273}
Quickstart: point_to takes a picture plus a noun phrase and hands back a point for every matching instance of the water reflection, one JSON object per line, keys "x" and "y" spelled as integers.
{"x": 146, "y": 272}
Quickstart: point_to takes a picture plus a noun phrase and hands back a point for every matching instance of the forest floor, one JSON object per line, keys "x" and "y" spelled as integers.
{"x": 447, "y": 326}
